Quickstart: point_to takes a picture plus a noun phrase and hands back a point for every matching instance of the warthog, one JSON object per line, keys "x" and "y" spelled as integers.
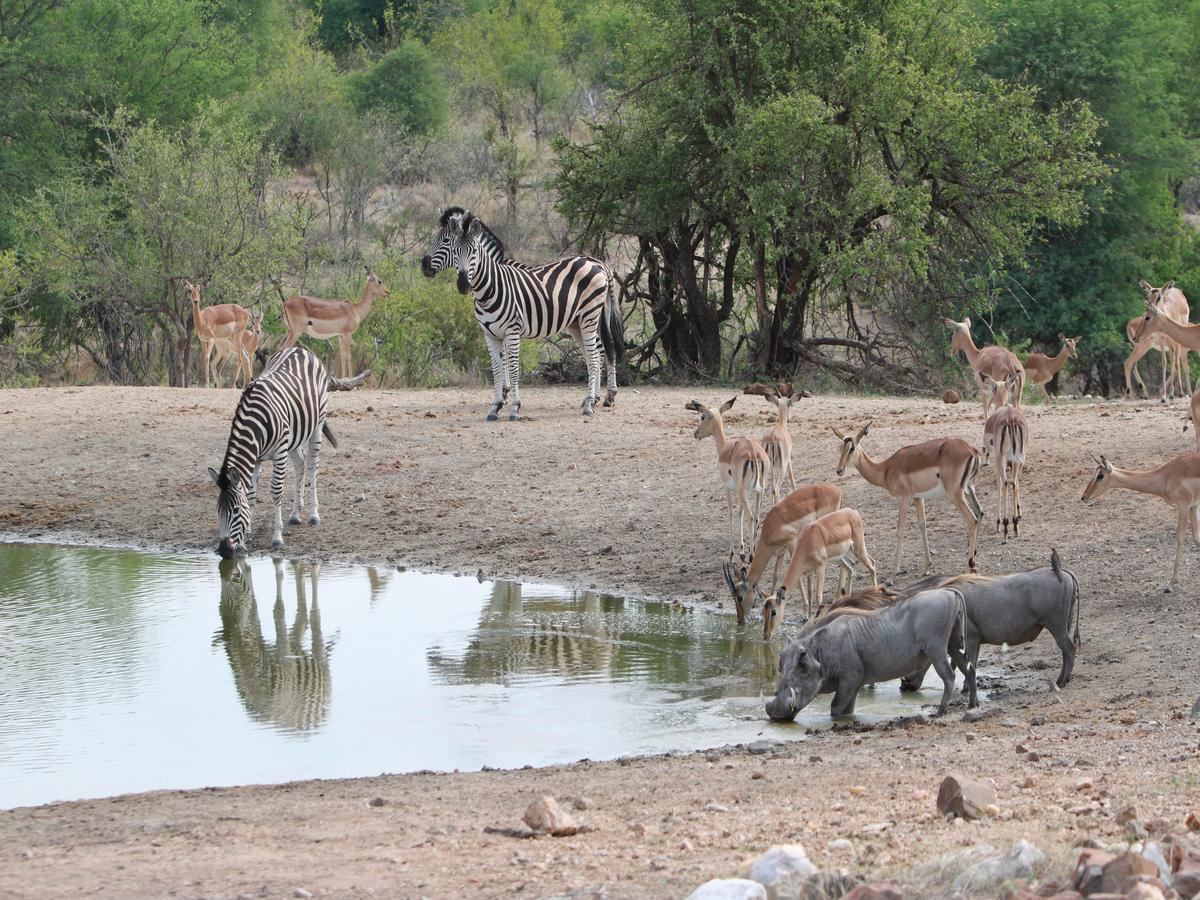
{"x": 843, "y": 652}
{"x": 1013, "y": 609}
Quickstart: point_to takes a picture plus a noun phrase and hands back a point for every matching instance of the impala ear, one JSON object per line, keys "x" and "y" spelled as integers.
{"x": 1170, "y": 284}
{"x": 863, "y": 431}
{"x": 728, "y": 404}
{"x": 950, "y": 323}
{"x": 1145, "y": 285}
{"x": 987, "y": 379}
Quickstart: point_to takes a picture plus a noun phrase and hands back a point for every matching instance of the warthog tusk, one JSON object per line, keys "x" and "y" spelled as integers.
{"x": 792, "y": 692}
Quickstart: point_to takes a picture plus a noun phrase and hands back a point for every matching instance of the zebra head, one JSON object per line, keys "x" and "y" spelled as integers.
{"x": 465, "y": 248}
{"x": 233, "y": 512}
{"x": 438, "y": 256}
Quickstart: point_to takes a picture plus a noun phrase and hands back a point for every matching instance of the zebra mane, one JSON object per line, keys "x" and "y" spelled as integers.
{"x": 488, "y": 235}
{"x": 450, "y": 211}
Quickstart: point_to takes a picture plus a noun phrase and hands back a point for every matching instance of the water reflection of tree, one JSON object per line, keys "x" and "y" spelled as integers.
{"x": 520, "y": 636}
{"x": 281, "y": 683}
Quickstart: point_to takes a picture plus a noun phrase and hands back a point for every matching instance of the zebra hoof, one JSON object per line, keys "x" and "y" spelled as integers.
{"x": 514, "y": 416}
{"x": 314, "y": 520}
{"x": 294, "y": 520}
{"x": 492, "y": 417}
{"x": 610, "y": 399}
{"x": 277, "y": 544}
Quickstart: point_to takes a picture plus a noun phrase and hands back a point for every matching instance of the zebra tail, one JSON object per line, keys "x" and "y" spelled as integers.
{"x": 348, "y": 384}
{"x": 329, "y": 436}
{"x": 1078, "y": 604}
{"x": 612, "y": 326}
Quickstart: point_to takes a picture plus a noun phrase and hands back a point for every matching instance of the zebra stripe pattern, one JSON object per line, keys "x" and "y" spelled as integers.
{"x": 281, "y": 414}
{"x": 512, "y": 300}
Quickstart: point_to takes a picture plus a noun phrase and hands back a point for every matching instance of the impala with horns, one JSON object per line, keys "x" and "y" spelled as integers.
{"x": 218, "y": 328}
{"x": 995, "y": 362}
{"x": 852, "y": 650}
{"x": 778, "y": 442}
{"x": 1176, "y": 481}
{"x": 941, "y": 468}
{"x": 830, "y": 539}
{"x": 329, "y": 319}
{"x": 1040, "y": 369}
{"x": 1005, "y": 439}
{"x": 779, "y": 530}
{"x": 1172, "y": 306}
{"x": 742, "y": 466}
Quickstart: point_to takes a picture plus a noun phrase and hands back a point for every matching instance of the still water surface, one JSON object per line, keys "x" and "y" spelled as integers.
{"x": 127, "y": 671}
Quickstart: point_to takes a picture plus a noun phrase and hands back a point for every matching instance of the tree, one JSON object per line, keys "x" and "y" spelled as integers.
{"x": 844, "y": 152}
{"x": 1128, "y": 59}
{"x": 405, "y": 87}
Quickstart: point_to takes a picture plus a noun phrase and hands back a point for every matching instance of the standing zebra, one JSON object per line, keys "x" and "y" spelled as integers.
{"x": 513, "y": 300}
{"x": 279, "y": 414}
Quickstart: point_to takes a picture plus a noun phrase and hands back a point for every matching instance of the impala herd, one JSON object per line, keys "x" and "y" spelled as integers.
{"x": 812, "y": 525}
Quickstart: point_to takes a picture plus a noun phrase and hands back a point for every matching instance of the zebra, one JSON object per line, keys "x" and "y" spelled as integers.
{"x": 513, "y": 300}
{"x": 280, "y": 414}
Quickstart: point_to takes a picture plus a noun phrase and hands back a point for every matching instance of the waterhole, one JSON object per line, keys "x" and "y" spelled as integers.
{"x": 127, "y": 671}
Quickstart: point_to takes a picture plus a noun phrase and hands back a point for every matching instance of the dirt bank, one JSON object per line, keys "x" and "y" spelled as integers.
{"x": 627, "y": 502}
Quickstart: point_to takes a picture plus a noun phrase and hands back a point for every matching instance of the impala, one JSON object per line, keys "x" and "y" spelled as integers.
{"x": 1040, "y": 368}
{"x": 329, "y": 319}
{"x": 217, "y": 327}
{"x": 995, "y": 362}
{"x": 830, "y": 538}
{"x": 741, "y": 465}
{"x": 1005, "y": 438}
{"x": 778, "y": 443}
{"x": 779, "y": 530}
{"x": 1157, "y": 322}
{"x": 247, "y": 345}
{"x": 1176, "y": 481}
{"x": 941, "y": 468}
{"x": 1170, "y": 301}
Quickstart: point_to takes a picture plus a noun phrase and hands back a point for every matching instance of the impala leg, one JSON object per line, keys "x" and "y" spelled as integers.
{"x": 923, "y": 526}
{"x": 1016, "y": 487}
{"x": 901, "y": 522}
{"x": 819, "y": 593}
{"x": 344, "y": 347}
{"x": 1180, "y": 532}
{"x": 729, "y": 518}
{"x": 861, "y": 554}
{"x": 971, "y": 515}
{"x": 775, "y": 570}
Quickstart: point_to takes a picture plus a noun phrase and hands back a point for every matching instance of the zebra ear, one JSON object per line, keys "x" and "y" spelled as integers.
{"x": 475, "y": 229}
{"x": 213, "y": 474}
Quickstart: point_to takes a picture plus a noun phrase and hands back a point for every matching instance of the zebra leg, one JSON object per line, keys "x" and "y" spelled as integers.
{"x": 278, "y": 465}
{"x": 314, "y": 456}
{"x": 499, "y": 375}
{"x": 589, "y": 340}
{"x": 512, "y": 349}
{"x": 297, "y": 486}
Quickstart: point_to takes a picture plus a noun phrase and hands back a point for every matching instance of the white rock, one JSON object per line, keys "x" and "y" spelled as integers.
{"x": 544, "y": 815}
{"x": 729, "y": 889}
{"x": 1017, "y": 863}
{"x": 782, "y": 871}
{"x": 840, "y": 845}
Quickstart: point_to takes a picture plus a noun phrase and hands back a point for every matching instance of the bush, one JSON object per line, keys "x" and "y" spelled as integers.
{"x": 405, "y": 86}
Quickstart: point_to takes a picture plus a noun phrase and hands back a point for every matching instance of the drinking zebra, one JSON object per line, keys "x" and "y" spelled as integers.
{"x": 512, "y": 300}
{"x": 280, "y": 413}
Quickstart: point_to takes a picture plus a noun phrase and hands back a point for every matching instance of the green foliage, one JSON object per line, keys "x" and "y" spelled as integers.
{"x": 301, "y": 107}
{"x": 1127, "y": 59}
{"x": 405, "y": 87}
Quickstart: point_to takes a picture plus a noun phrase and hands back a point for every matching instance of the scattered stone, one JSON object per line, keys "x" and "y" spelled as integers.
{"x": 992, "y": 810}
{"x": 1084, "y": 784}
{"x": 964, "y": 798}
{"x": 782, "y": 871}
{"x": 857, "y": 790}
{"x": 1136, "y": 831}
{"x": 377, "y": 801}
{"x": 1144, "y": 891}
{"x": 979, "y": 713}
{"x": 301, "y": 893}
{"x": 729, "y": 889}
{"x": 951, "y": 396}
{"x": 659, "y": 863}
{"x": 1128, "y": 814}
{"x": 1033, "y": 756}
{"x": 825, "y": 885}
{"x": 359, "y": 498}
{"x": 1193, "y": 821}
{"x": 840, "y": 845}
{"x": 876, "y": 890}
{"x": 712, "y": 757}
{"x": 876, "y": 828}
{"x": 583, "y": 803}
{"x": 763, "y": 746}
{"x": 1017, "y": 863}
{"x": 545, "y": 816}
{"x": 717, "y": 807}
{"x": 1037, "y": 720}
{"x": 1009, "y": 723}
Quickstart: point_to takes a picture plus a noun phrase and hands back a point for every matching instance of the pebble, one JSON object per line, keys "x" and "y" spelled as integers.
{"x": 857, "y": 790}
{"x": 545, "y": 816}
{"x": 757, "y": 776}
{"x": 377, "y": 801}
{"x": 782, "y": 870}
{"x": 729, "y": 889}
{"x": 301, "y": 893}
{"x": 659, "y": 863}
{"x": 712, "y": 757}
{"x": 841, "y": 845}
{"x": 583, "y": 803}
{"x": 716, "y": 807}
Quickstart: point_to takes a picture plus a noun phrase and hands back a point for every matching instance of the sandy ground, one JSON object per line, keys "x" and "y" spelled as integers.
{"x": 627, "y": 502}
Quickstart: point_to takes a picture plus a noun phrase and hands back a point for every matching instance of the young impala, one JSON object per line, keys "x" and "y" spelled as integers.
{"x": 941, "y": 468}
{"x": 742, "y": 466}
{"x": 778, "y": 443}
{"x": 830, "y": 539}
{"x": 995, "y": 362}
{"x": 1176, "y": 481}
{"x": 779, "y": 530}
{"x": 1005, "y": 439}
{"x": 1040, "y": 369}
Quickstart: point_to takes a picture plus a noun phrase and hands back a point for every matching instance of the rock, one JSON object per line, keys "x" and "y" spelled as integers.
{"x": 1017, "y": 863}
{"x": 764, "y": 746}
{"x": 829, "y": 884}
{"x": 1193, "y": 821}
{"x": 1089, "y": 870}
{"x": 1037, "y": 720}
{"x": 875, "y": 828}
{"x": 659, "y": 863}
{"x": 583, "y": 803}
{"x": 840, "y": 845}
{"x": 951, "y": 396}
{"x": 1128, "y": 814}
{"x": 1135, "y": 830}
{"x": 377, "y": 801}
{"x": 782, "y": 871}
{"x": 716, "y": 807}
{"x": 979, "y": 714}
{"x": 729, "y": 889}
{"x": 857, "y": 790}
{"x": 1129, "y": 864}
{"x": 1084, "y": 784}
{"x": 876, "y": 890}
{"x": 545, "y": 816}
{"x": 301, "y": 893}
{"x": 1148, "y": 889}
{"x": 963, "y": 798}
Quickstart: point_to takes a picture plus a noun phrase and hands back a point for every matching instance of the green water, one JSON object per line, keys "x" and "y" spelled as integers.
{"x": 128, "y": 671}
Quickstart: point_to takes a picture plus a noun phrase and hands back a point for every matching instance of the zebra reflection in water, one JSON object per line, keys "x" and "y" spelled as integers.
{"x": 512, "y": 641}
{"x": 281, "y": 683}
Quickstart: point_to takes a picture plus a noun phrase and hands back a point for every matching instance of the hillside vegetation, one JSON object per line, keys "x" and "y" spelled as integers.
{"x": 800, "y": 188}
